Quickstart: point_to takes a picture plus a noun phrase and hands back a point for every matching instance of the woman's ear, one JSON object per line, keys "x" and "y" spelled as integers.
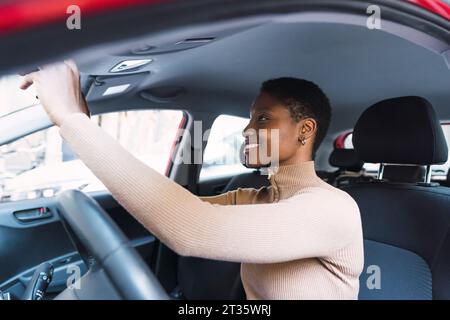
{"x": 308, "y": 128}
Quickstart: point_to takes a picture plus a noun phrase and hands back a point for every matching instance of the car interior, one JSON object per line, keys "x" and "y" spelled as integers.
{"x": 387, "y": 147}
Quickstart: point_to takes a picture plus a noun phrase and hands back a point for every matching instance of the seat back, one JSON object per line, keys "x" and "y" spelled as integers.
{"x": 406, "y": 226}
{"x": 407, "y": 240}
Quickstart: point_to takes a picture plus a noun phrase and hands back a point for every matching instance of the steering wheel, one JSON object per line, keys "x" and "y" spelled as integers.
{"x": 115, "y": 269}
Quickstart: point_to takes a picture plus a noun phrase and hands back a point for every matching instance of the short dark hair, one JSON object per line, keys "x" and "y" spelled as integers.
{"x": 304, "y": 99}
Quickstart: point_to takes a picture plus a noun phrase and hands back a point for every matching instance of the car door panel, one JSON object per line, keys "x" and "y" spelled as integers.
{"x": 24, "y": 245}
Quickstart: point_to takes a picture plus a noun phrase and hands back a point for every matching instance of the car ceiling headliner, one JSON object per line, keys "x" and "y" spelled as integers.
{"x": 355, "y": 66}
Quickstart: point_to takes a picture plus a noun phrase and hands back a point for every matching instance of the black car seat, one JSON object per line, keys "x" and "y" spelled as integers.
{"x": 350, "y": 167}
{"x": 406, "y": 226}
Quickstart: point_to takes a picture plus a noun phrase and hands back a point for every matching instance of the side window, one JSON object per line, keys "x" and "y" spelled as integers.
{"x": 439, "y": 172}
{"x": 221, "y": 156}
{"x": 42, "y": 164}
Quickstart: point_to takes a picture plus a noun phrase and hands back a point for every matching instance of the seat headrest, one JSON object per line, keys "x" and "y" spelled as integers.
{"x": 346, "y": 159}
{"x": 401, "y": 130}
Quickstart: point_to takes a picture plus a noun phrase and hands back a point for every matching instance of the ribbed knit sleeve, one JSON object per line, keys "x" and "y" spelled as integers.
{"x": 227, "y": 198}
{"x": 314, "y": 223}
{"x": 234, "y": 197}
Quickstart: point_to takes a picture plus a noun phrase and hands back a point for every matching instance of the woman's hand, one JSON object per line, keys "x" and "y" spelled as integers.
{"x": 58, "y": 89}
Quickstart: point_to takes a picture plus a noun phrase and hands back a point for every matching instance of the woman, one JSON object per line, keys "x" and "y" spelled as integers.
{"x": 300, "y": 238}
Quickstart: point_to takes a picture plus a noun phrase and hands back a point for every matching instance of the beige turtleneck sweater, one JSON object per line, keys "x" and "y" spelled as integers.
{"x": 300, "y": 238}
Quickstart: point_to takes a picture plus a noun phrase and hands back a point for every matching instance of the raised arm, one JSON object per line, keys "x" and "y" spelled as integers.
{"x": 300, "y": 227}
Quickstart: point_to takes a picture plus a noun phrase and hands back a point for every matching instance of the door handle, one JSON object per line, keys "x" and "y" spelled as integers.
{"x": 34, "y": 214}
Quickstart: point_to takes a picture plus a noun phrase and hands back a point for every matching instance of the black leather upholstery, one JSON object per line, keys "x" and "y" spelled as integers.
{"x": 402, "y": 130}
{"x": 406, "y": 226}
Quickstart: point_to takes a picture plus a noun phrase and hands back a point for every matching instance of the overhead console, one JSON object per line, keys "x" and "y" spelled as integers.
{"x": 104, "y": 87}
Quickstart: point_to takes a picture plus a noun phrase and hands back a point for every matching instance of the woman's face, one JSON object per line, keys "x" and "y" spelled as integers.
{"x": 272, "y": 135}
